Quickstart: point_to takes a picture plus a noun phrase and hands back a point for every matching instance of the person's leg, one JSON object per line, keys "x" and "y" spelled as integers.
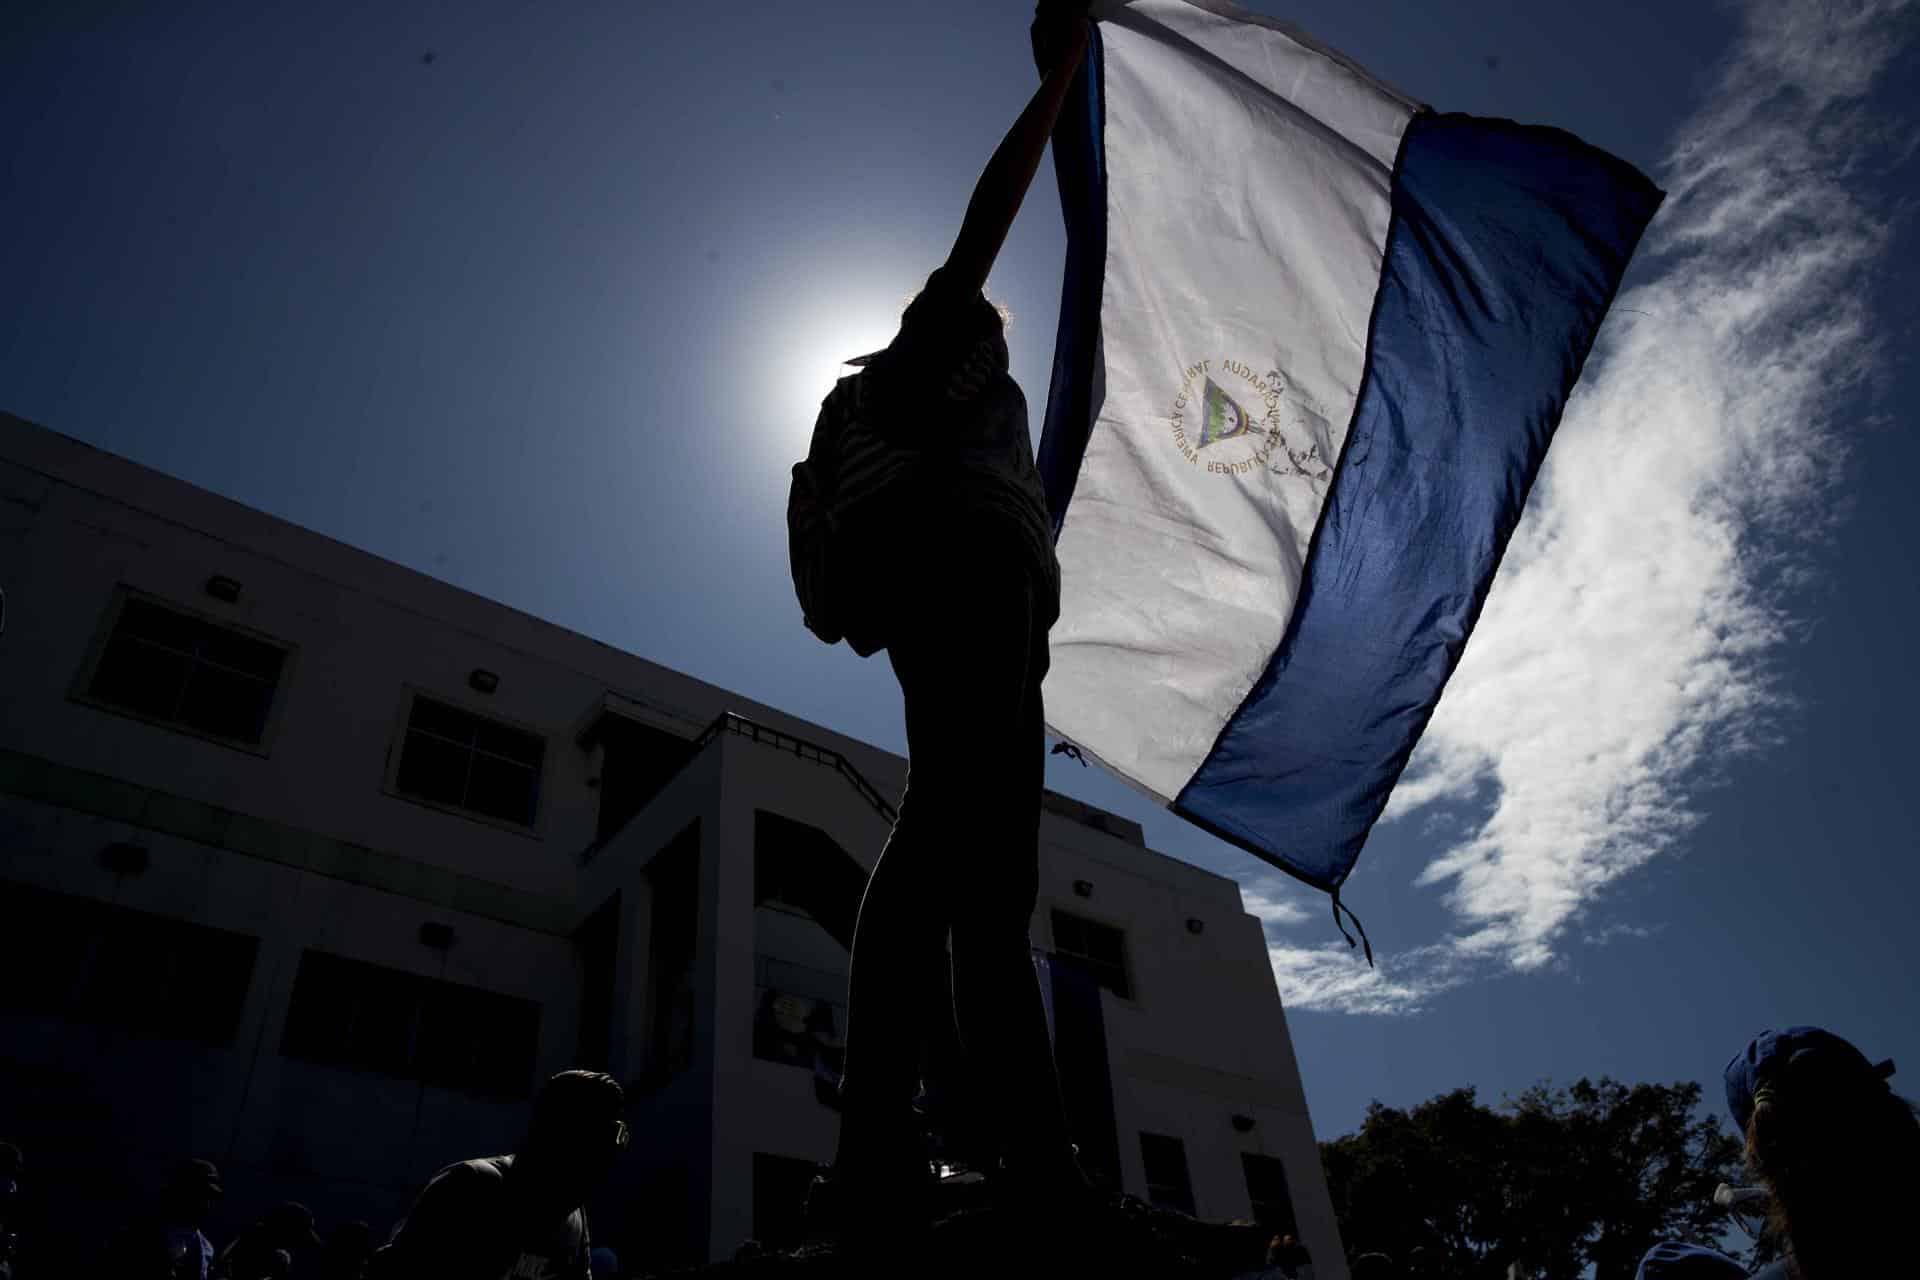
{"x": 997, "y": 998}
{"x": 961, "y": 665}
{"x": 898, "y": 946}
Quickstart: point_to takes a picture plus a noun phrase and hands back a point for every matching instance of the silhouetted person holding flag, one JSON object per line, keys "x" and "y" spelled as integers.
{"x": 518, "y": 1215}
{"x": 939, "y": 504}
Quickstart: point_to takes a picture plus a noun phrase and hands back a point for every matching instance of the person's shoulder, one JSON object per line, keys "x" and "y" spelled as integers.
{"x": 478, "y": 1172}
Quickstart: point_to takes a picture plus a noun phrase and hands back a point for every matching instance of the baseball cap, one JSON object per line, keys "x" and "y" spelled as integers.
{"x": 1809, "y": 1051}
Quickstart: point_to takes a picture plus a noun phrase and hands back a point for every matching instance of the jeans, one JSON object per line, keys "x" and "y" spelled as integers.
{"x": 962, "y": 860}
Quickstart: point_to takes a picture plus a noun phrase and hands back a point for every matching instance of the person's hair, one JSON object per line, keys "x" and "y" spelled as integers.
{"x": 573, "y": 1094}
{"x": 1842, "y": 1164}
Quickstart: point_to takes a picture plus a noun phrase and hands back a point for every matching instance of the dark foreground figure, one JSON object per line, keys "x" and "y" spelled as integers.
{"x": 937, "y": 490}
{"x": 517, "y": 1215}
{"x": 973, "y": 1238}
{"x": 167, "y": 1243}
{"x": 1838, "y": 1153}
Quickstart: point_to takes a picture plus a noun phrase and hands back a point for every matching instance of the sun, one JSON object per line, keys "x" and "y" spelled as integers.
{"x": 836, "y": 325}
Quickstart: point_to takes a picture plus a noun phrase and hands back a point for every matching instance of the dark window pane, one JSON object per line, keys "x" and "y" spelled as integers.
{"x": 350, "y": 1013}
{"x": 139, "y": 677}
{"x": 1165, "y": 1159}
{"x": 1103, "y": 944}
{"x": 95, "y": 962}
{"x": 500, "y": 777}
{"x": 167, "y": 666}
{"x": 126, "y": 981}
{"x": 452, "y": 1032}
{"x": 433, "y": 769}
{"x": 509, "y": 1060}
{"x": 160, "y": 626}
{"x": 47, "y": 936}
{"x": 1267, "y": 1191}
{"x": 433, "y": 717}
{"x": 386, "y": 1009}
{"x": 501, "y": 790}
{"x": 242, "y": 653}
{"x": 513, "y": 744}
{"x": 226, "y": 704}
{"x": 1100, "y": 949}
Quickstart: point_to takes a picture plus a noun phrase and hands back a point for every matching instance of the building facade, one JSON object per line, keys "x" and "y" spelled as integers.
{"x": 315, "y": 866}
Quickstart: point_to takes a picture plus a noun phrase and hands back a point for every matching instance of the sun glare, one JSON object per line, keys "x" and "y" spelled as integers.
{"x": 813, "y": 357}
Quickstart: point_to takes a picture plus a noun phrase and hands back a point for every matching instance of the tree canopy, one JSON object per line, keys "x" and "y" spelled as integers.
{"x": 1558, "y": 1179}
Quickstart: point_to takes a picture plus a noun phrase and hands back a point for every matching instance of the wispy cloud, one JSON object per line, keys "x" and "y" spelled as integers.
{"x": 1630, "y": 643}
{"x": 1269, "y": 898}
{"x": 1615, "y": 932}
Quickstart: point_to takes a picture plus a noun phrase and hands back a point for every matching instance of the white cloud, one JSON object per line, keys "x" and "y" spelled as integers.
{"x": 1269, "y": 898}
{"x": 1629, "y": 644}
{"x": 1614, "y": 932}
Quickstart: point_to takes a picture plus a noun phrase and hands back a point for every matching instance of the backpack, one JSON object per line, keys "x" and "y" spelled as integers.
{"x": 840, "y": 539}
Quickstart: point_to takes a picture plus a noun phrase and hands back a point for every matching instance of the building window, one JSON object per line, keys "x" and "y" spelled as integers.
{"x": 1100, "y": 949}
{"x": 637, "y": 761}
{"x": 674, "y": 879}
{"x": 798, "y": 867}
{"x": 799, "y": 1013}
{"x": 184, "y": 671}
{"x": 1166, "y": 1162}
{"x": 349, "y": 1013}
{"x": 456, "y": 758}
{"x": 87, "y": 961}
{"x": 1267, "y": 1190}
{"x": 598, "y": 943}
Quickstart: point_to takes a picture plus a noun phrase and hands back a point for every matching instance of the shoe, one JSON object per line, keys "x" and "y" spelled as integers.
{"x": 879, "y": 1192}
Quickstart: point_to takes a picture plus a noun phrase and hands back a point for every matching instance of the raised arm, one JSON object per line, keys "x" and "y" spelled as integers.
{"x": 1003, "y": 185}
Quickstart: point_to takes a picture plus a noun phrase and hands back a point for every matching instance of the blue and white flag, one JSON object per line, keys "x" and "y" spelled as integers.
{"x": 1314, "y": 341}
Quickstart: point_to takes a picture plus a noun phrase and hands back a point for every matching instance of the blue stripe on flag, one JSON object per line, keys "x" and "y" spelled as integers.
{"x": 1080, "y": 164}
{"x": 1506, "y": 245}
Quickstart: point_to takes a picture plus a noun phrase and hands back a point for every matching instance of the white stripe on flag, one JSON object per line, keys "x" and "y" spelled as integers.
{"x": 1249, "y": 174}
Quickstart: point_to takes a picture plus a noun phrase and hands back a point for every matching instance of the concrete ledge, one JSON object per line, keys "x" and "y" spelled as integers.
{"x": 50, "y": 782}
{"x": 1224, "y": 1085}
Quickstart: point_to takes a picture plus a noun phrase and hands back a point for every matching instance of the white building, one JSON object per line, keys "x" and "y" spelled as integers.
{"x": 315, "y": 867}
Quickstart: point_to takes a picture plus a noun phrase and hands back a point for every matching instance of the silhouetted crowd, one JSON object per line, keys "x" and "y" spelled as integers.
{"x": 1835, "y": 1151}
{"x": 515, "y": 1215}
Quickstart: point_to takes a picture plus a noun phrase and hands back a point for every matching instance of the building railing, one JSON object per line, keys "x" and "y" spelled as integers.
{"x": 753, "y": 730}
{"x": 729, "y": 722}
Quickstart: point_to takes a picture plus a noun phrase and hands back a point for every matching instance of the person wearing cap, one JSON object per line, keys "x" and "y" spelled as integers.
{"x": 518, "y": 1215}
{"x": 287, "y": 1227}
{"x": 169, "y": 1243}
{"x": 1835, "y": 1148}
{"x": 972, "y": 588}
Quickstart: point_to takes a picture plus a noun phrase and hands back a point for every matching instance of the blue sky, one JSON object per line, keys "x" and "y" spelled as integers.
{"x": 549, "y": 314}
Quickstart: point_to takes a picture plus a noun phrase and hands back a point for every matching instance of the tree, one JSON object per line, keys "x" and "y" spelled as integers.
{"x": 1556, "y": 1180}
{"x": 1433, "y": 1177}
